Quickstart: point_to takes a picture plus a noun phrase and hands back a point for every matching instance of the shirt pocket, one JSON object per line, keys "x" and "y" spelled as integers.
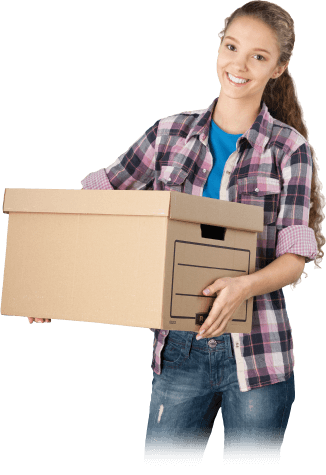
{"x": 261, "y": 191}
{"x": 172, "y": 177}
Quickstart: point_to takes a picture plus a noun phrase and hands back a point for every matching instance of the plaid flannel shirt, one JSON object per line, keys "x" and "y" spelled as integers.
{"x": 272, "y": 168}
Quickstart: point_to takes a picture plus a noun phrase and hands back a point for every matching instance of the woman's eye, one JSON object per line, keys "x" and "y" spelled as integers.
{"x": 255, "y": 54}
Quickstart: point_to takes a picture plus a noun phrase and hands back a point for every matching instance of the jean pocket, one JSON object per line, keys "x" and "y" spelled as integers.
{"x": 172, "y": 354}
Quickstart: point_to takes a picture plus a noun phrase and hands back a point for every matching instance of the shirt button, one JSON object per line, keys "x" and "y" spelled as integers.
{"x": 169, "y": 179}
{"x": 163, "y": 332}
{"x": 204, "y": 170}
{"x": 257, "y": 189}
{"x": 228, "y": 172}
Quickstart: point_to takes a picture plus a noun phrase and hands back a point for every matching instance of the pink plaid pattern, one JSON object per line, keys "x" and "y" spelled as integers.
{"x": 297, "y": 239}
{"x": 271, "y": 168}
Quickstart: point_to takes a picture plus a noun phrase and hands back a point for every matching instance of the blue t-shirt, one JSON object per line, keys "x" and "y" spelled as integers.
{"x": 221, "y": 146}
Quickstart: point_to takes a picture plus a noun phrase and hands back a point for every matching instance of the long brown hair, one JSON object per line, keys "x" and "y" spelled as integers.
{"x": 281, "y": 99}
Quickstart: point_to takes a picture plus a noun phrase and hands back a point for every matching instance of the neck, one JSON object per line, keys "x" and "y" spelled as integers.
{"x": 235, "y": 116}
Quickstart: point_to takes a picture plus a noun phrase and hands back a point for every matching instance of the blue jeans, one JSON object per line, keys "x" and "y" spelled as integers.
{"x": 199, "y": 377}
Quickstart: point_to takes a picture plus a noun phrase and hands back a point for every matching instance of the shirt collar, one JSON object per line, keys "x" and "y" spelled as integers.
{"x": 257, "y": 135}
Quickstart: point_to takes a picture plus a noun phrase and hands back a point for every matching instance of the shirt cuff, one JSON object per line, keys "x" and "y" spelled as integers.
{"x": 297, "y": 239}
{"x": 97, "y": 181}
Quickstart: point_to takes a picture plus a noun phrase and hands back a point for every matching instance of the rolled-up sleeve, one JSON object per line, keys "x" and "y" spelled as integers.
{"x": 97, "y": 181}
{"x": 293, "y": 233}
{"x": 297, "y": 240}
{"x": 133, "y": 170}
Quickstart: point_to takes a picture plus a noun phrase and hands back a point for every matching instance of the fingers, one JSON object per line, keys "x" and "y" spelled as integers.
{"x": 39, "y": 320}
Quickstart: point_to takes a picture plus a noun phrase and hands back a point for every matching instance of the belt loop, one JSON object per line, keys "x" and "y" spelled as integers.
{"x": 190, "y": 337}
{"x": 231, "y": 344}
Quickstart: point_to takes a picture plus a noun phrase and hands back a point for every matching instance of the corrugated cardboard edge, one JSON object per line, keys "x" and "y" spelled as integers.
{"x": 176, "y": 205}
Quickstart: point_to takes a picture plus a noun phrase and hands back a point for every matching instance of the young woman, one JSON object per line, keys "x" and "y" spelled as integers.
{"x": 249, "y": 146}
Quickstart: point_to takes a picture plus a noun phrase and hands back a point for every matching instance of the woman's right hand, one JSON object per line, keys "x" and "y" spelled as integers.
{"x": 39, "y": 320}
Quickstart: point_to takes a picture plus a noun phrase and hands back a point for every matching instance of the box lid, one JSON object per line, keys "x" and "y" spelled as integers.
{"x": 173, "y": 204}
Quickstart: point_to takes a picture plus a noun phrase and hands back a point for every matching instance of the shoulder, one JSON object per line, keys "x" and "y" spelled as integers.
{"x": 180, "y": 124}
{"x": 288, "y": 139}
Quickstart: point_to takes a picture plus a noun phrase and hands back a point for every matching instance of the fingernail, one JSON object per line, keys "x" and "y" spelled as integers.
{"x": 198, "y": 337}
{"x": 201, "y": 332}
{"x": 206, "y": 291}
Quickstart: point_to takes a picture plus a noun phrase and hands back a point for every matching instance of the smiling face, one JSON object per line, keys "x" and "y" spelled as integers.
{"x": 249, "y": 50}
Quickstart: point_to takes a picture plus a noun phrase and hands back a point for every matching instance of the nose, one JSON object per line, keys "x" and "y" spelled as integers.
{"x": 240, "y": 69}
{"x": 240, "y": 64}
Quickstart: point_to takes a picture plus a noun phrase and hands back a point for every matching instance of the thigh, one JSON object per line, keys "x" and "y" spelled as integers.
{"x": 180, "y": 422}
{"x": 182, "y": 409}
{"x": 255, "y": 421}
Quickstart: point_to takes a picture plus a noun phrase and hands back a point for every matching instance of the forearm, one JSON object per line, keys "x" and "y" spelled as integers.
{"x": 283, "y": 271}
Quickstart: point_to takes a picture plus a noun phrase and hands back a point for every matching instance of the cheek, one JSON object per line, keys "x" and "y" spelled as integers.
{"x": 220, "y": 63}
{"x": 223, "y": 60}
{"x": 219, "y": 70}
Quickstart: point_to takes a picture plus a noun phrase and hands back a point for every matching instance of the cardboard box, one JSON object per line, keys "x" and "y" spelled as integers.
{"x": 126, "y": 257}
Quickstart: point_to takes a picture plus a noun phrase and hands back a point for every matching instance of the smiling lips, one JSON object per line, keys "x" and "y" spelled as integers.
{"x": 238, "y": 82}
{"x": 238, "y": 77}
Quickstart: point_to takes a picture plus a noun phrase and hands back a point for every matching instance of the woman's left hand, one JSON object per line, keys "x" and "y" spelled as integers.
{"x": 232, "y": 291}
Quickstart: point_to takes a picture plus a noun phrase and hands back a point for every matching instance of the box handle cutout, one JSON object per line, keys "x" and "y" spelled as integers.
{"x": 212, "y": 232}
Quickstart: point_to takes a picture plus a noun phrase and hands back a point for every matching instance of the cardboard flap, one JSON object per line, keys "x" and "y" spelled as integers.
{"x": 113, "y": 202}
{"x": 216, "y": 212}
{"x": 172, "y": 204}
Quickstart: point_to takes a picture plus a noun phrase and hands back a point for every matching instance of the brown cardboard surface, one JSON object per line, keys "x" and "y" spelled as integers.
{"x": 125, "y": 258}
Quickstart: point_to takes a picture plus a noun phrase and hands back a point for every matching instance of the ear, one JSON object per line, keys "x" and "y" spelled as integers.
{"x": 279, "y": 70}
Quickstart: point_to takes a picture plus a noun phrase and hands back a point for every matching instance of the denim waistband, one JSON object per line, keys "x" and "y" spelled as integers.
{"x": 185, "y": 338}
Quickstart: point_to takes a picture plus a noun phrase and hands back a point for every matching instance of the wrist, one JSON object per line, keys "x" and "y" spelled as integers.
{"x": 245, "y": 281}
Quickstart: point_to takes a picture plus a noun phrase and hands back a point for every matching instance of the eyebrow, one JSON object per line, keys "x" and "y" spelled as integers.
{"x": 255, "y": 49}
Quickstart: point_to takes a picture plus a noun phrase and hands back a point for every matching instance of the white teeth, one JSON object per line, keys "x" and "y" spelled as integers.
{"x": 234, "y": 79}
